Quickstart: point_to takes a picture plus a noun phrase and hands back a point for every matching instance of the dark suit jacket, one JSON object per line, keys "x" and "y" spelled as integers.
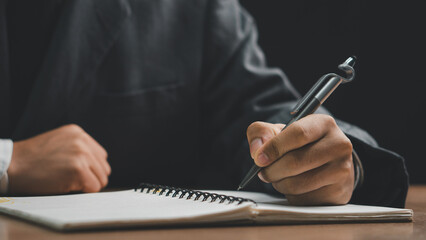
{"x": 169, "y": 88}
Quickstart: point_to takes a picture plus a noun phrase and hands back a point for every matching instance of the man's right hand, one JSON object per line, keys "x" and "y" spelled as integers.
{"x": 62, "y": 160}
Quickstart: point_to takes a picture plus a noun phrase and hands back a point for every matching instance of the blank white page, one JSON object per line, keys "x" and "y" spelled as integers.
{"x": 120, "y": 208}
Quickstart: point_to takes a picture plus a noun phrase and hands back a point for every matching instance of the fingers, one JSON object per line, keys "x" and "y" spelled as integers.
{"x": 94, "y": 168}
{"x": 99, "y": 153}
{"x": 333, "y": 194}
{"x": 83, "y": 178}
{"x": 259, "y": 133}
{"x": 310, "y": 161}
{"x": 99, "y": 171}
{"x": 91, "y": 184}
{"x": 333, "y": 173}
{"x": 73, "y": 160}
{"x": 302, "y": 132}
{"x": 309, "y": 157}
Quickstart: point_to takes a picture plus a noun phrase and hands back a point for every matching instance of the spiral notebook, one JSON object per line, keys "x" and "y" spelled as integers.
{"x": 154, "y": 205}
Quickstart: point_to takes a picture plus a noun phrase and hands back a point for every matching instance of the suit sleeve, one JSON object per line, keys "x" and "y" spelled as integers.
{"x": 239, "y": 88}
{"x": 385, "y": 174}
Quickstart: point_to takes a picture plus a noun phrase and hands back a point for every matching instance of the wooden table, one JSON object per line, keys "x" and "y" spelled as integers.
{"x": 13, "y": 229}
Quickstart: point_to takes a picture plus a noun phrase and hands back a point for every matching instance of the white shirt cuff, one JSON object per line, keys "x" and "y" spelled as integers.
{"x": 6, "y": 149}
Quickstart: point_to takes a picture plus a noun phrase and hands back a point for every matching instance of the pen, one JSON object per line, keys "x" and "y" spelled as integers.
{"x": 311, "y": 102}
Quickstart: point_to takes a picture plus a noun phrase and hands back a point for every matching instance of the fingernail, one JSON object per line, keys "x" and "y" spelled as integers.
{"x": 260, "y": 175}
{"x": 262, "y": 159}
{"x": 254, "y": 145}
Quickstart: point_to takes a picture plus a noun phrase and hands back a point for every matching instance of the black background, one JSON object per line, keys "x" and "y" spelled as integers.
{"x": 387, "y": 98}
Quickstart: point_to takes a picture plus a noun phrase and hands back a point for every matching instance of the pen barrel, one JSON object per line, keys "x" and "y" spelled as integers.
{"x": 310, "y": 108}
{"x": 254, "y": 170}
{"x": 315, "y": 102}
{"x": 327, "y": 89}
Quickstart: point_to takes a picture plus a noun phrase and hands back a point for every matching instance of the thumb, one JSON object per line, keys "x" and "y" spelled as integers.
{"x": 258, "y": 133}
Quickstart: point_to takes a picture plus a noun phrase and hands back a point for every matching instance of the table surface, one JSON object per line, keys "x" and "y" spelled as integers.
{"x": 11, "y": 229}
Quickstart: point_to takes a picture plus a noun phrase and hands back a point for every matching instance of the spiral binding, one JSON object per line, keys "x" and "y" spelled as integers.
{"x": 188, "y": 193}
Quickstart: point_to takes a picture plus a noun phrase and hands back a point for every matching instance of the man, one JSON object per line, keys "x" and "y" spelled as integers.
{"x": 164, "y": 92}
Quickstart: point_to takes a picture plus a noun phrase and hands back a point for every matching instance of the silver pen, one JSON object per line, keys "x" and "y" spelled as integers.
{"x": 311, "y": 102}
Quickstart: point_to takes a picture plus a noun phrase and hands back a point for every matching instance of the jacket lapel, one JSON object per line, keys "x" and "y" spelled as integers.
{"x": 83, "y": 36}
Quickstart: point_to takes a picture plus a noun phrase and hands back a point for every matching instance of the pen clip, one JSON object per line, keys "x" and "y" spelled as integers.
{"x": 346, "y": 66}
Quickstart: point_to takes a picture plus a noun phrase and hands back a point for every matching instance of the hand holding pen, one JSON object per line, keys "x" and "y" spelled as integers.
{"x": 309, "y": 159}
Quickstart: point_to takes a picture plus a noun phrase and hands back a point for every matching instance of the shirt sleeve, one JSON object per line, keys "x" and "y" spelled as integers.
{"x": 6, "y": 148}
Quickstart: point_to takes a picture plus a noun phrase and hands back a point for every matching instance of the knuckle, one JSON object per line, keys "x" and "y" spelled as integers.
{"x": 73, "y": 128}
{"x": 301, "y": 132}
{"x": 255, "y": 125}
{"x": 273, "y": 149}
{"x": 346, "y": 164}
{"x": 345, "y": 199}
{"x": 104, "y": 183}
{"x": 261, "y": 130}
{"x": 77, "y": 167}
{"x": 254, "y": 128}
{"x": 266, "y": 176}
{"x": 97, "y": 187}
{"x": 93, "y": 187}
{"x": 109, "y": 170}
{"x": 80, "y": 149}
{"x": 80, "y": 155}
{"x": 346, "y": 169}
{"x": 288, "y": 186}
{"x": 345, "y": 146}
{"x": 104, "y": 180}
{"x": 77, "y": 144}
{"x": 293, "y": 161}
{"x": 278, "y": 187}
{"x": 104, "y": 153}
{"x": 329, "y": 120}
{"x": 294, "y": 190}
{"x": 342, "y": 196}
{"x": 339, "y": 191}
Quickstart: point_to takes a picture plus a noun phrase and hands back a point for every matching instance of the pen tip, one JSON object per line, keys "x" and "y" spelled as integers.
{"x": 239, "y": 188}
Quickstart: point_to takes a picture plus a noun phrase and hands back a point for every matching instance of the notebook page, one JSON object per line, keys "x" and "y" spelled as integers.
{"x": 349, "y": 213}
{"x": 348, "y": 209}
{"x": 276, "y": 209}
{"x": 121, "y": 208}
